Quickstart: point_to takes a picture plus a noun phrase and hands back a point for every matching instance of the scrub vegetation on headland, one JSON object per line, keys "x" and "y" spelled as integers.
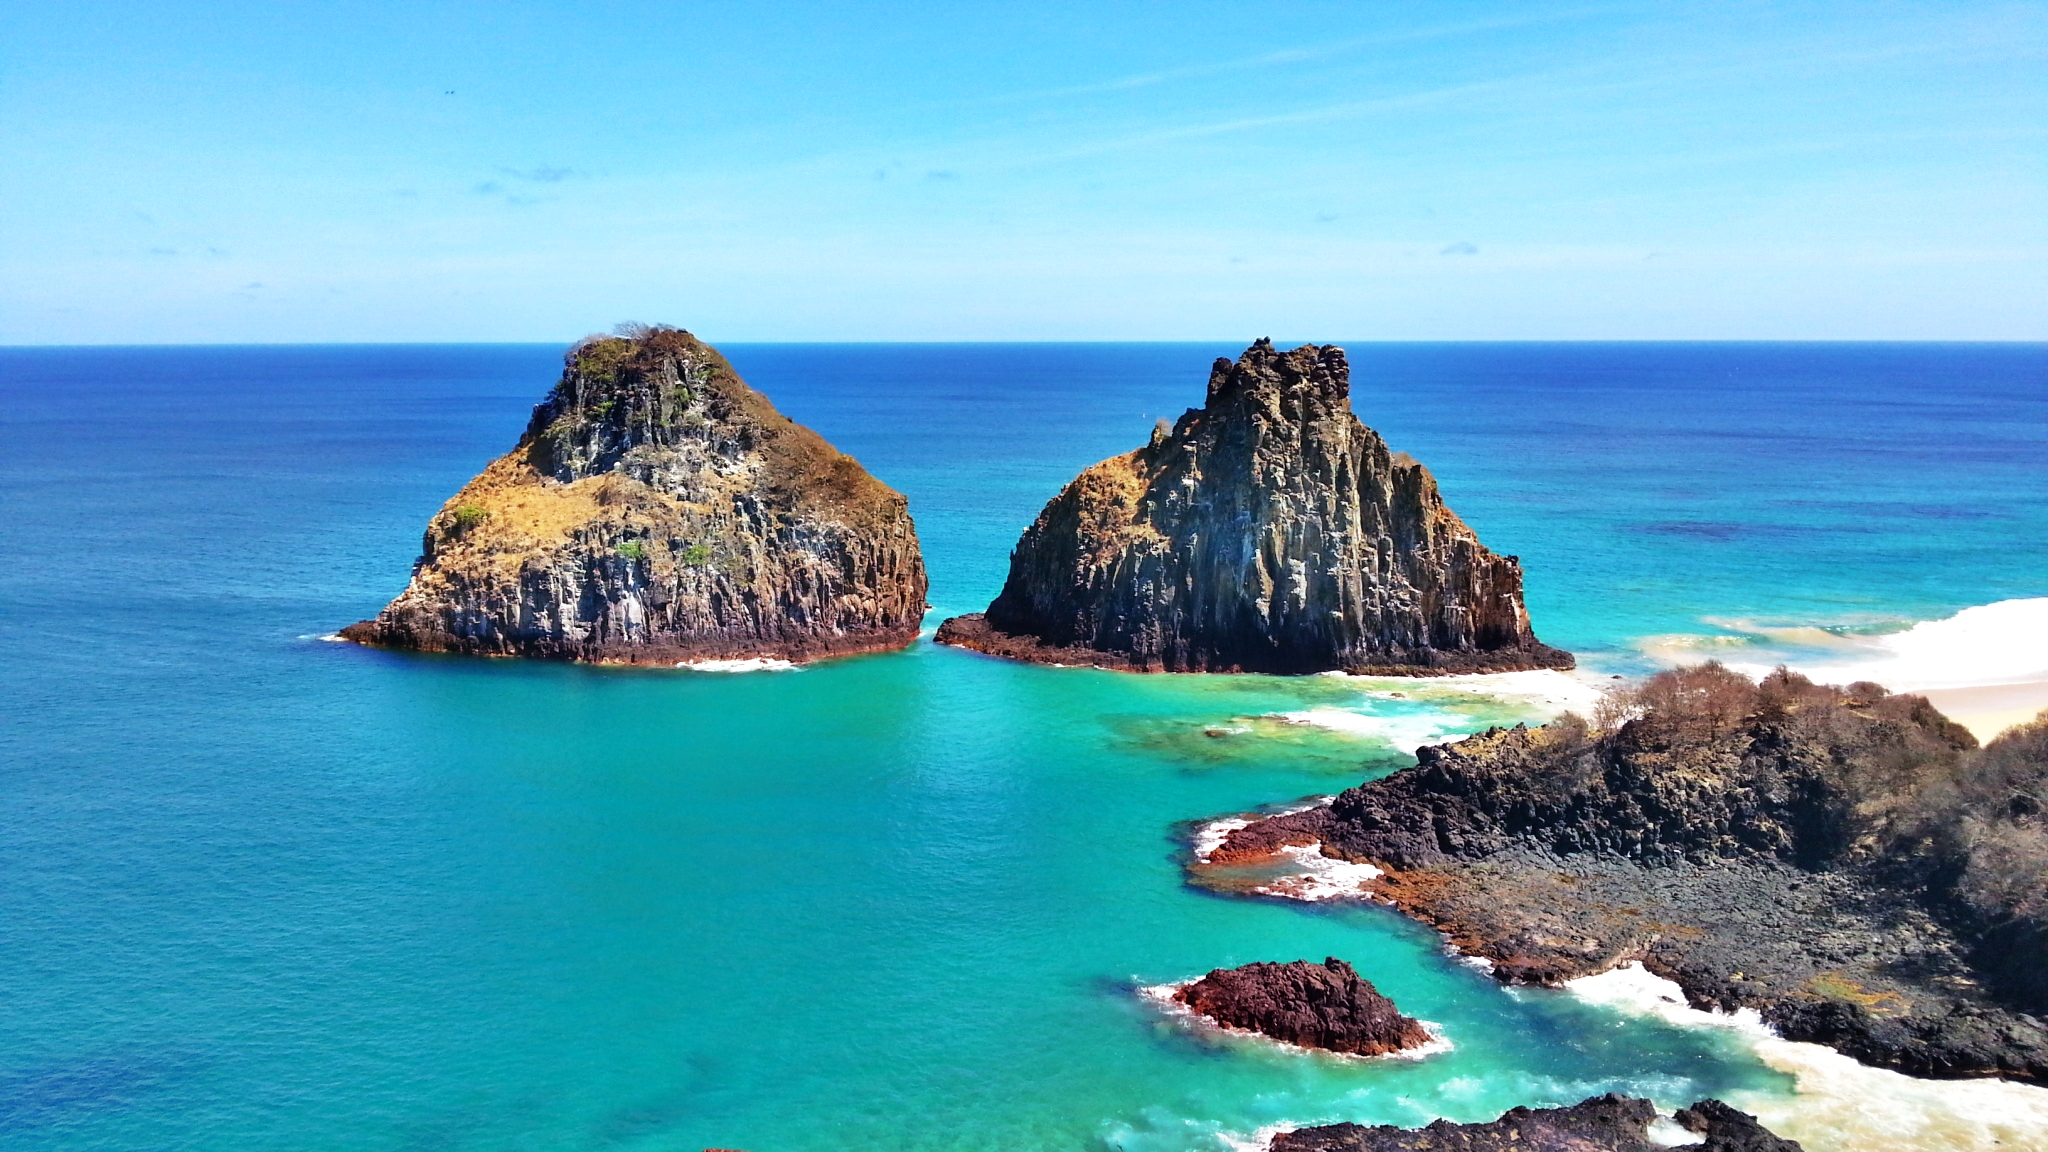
{"x": 1846, "y": 861}
{"x": 659, "y": 510}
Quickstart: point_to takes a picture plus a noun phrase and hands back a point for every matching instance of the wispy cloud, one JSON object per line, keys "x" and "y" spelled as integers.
{"x": 1461, "y": 248}
{"x": 1340, "y": 111}
{"x": 1287, "y": 56}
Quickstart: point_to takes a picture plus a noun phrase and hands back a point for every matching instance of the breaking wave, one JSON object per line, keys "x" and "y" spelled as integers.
{"x": 751, "y": 664}
{"x": 2001, "y": 643}
{"x": 1837, "y": 1104}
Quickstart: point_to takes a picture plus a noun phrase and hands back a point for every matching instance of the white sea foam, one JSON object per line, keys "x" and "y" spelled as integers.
{"x": 1669, "y": 1133}
{"x": 2001, "y": 643}
{"x": 751, "y": 664}
{"x": 1161, "y": 996}
{"x": 1209, "y": 837}
{"x": 1406, "y": 733}
{"x": 1544, "y": 688}
{"x": 1837, "y": 1104}
{"x": 1317, "y": 877}
{"x": 1443, "y": 705}
{"x": 1260, "y": 1139}
{"x": 1469, "y": 960}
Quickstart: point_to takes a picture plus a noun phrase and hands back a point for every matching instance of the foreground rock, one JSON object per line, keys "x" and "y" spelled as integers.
{"x": 1609, "y": 1123}
{"x": 1268, "y": 531}
{"x": 1325, "y": 1006}
{"x": 1844, "y": 861}
{"x": 659, "y": 510}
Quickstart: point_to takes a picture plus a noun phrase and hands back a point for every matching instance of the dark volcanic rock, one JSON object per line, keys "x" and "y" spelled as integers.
{"x": 1268, "y": 531}
{"x": 1731, "y": 1130}
{"x": 1842, "y": 860}
{"x": 1610, "y": 1123}
{"x": 660, "y": 510}
{"x": 1325, "y": 1006}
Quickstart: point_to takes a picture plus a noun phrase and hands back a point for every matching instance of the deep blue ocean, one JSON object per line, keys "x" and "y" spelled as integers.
{"x": 260, "y": 891}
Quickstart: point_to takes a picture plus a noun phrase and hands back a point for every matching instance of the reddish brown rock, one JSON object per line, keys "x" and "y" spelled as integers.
{"x": 1327, "y": 1006}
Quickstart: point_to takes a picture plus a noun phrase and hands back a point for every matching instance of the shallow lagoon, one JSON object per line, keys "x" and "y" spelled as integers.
{"x": 262, "y": 891}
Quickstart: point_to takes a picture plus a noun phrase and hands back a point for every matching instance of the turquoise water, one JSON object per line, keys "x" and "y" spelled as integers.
{"x": 261, "y": 891}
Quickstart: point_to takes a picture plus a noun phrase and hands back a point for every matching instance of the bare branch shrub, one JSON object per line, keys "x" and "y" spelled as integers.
{"x": 1705, "y": 701}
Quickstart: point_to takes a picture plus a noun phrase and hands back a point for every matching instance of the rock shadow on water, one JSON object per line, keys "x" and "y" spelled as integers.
{"x": 59, "y": 1093}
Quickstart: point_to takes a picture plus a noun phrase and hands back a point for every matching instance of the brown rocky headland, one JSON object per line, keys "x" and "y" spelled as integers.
{"x": 658, "y": 510}
{"x": 1267, "y": 531}
{"x": 1610, "y": 1123}
{"x": 1327, "y": 1006}
{"x": 1845, "y": 861}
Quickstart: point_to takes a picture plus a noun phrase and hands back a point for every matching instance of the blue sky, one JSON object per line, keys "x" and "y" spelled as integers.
{"x": 175, "y": 172}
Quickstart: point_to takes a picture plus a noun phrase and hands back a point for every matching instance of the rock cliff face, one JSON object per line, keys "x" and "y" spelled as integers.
{"x": 1268, "y": 531}
{"x": 659, "y": 510}
{"x": 1325, "y": 1006}
{"x": 1610, "y": 1123}
{"x": 1842, "y": 860}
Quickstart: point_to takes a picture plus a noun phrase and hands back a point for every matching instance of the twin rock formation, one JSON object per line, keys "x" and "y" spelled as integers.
{"x": 658, "y": 510}
{"x": 1268, "y": 531}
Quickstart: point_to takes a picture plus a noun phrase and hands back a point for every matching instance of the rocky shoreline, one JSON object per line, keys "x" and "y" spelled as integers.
{"x": 1610, "y": 1123}
{"x": 1784, "y": 855}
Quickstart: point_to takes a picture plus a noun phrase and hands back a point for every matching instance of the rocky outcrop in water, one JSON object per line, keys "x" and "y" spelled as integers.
{"x": 1610, "y": 1123}
{"x": 1842, "y": 860}
{"x": 660, "y": 510}
{"x": 1325, "y": 1006}
{"x": 1268, "y": 531}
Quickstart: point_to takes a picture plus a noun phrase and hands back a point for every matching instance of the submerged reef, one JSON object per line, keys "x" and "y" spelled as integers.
{"x": 1610, "y": 1123}
{"x": 659, "y": 510}
{"x": 1327, "y": 1006}
{"x": 1845, "y": 861}
{"x": 1267, "y": 531}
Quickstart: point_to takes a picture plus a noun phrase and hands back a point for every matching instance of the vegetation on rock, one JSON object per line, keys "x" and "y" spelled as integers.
{"x": 652, "y": 451}
{"x": 1843, "y": 859}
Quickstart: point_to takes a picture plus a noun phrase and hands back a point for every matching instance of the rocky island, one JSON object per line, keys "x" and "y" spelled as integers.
{"x": 1610, "y": 1123}
{"x": 1843, "y": 860}
{"x": 658, "y": 510}
{"x": 1268, "y": 531}
{"x": 1327, "y": 1006}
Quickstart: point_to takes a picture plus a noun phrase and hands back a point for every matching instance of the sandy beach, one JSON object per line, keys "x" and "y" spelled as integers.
{"x": 1987, "y": 710}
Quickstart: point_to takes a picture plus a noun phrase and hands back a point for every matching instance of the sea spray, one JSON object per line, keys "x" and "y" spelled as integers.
{"x": 751, "y": 664}
{"x": 1837, "y": 1104}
